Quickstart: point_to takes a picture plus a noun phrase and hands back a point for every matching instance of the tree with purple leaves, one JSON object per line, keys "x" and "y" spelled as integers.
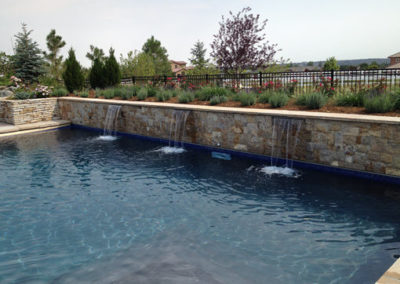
{"x": 241, "y": 43}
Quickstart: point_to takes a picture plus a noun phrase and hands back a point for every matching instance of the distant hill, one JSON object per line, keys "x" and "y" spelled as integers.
{"x": 354, "y": 62}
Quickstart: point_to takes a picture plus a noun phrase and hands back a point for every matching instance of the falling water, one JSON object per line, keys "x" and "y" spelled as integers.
{"x": 285, "y": 133}
{"x": 176, "y": 132}
{"x": 110, "y": 123}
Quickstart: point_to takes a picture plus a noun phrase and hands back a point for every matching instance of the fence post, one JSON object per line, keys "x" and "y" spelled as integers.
{"x": 165, "y": 80}
{"x": 133, "y": 80}
{"x": 332, "y": 75}
{"x": 207, "y": 79}
{"x": 260, "y": 78}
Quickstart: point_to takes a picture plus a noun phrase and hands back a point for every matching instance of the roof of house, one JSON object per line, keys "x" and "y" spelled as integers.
{"x": 395, "y": 55}
{"x": 394, "y": 66}
{"x": 178, "y": 62}
{"x": 179, "y": 69}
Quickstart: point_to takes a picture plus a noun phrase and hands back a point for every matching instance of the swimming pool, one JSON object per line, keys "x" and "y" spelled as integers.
{"x": 74, "y": 208}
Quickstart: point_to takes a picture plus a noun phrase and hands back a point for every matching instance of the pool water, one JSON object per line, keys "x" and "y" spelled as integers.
{"x": 78, "y": 209}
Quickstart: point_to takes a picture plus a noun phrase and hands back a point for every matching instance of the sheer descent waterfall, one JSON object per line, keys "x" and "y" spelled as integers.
{"x": 111, "y": 121}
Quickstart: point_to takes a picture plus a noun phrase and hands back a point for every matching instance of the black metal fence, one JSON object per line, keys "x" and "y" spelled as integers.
{"x": 300, "y": 81}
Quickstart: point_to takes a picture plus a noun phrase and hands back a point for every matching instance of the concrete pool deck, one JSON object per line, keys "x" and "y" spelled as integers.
{"x": 7, "y": 129}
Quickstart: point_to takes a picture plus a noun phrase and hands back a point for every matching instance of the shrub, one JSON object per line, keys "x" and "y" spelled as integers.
{"x": 350, "y": 99}
{"x": 111, "y": 71}
{"x": 164, "y": 95}
{"x": 246, "y": 99}
{"x": 218, "y": 99}
{"x": 142, "y": 94}
{"x": 108, "y": 93}
{"x": 127, "y": 93}
{"x": 60, "y": 92}
{"x": 185, "y": 97}
{"x": 312, "y": 100}
{"x": 264, "y": 97}
{"x": 97, "y": 77}
{"x": 118, "y": 92}
{"x": 380, "y": 104}
{"x": 151, "y": 92}
{"x": 23, "y": 95}
{"x": 396, "y": 99}
{"x": 206, "y": 93}
{"x": 98, "y": 93}
{"x": 83, "y": 94}
{"x": 278, "y": 100}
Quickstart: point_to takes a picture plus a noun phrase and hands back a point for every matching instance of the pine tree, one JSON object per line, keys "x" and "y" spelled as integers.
{"x": 112, "y": 73}
{"x": 96, "y": 76}
{"x": 159, "y": 55}
{"x": 54, "y": 44}
{"x": 73, "y": 76}
{"x": 198, "y": 52}
{"x": 28, "y": 62}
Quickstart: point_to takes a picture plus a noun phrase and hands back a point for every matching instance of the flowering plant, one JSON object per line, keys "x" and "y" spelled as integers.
{"x": 42, "y": 91}
{"x": 327, "y": 85}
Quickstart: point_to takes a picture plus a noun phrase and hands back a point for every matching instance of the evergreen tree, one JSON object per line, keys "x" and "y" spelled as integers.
{"x": 96, "y": 76}
{"x": 28, "y": 62}
{"x": 198, "y": 52}
{"x": 159, "y": 55}
{"x": 73, "y": 76}
{"x": 95, "y": 53}
{"x": 112, "y": 73}
{"x": 54, "y": 44}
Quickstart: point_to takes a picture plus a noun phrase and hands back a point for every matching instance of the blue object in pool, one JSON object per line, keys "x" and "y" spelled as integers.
{"x": 76, "y": 209}
{"x": 222, "y": 156}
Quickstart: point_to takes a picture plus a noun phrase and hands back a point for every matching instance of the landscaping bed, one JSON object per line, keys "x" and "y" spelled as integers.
{"x": 329, "y": 106}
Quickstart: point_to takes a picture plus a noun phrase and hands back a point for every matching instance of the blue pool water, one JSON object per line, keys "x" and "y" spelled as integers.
{"x": 76, "y": 209}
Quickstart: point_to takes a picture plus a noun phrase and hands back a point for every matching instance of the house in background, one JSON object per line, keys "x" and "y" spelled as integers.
{"x": 179, "y": 67}
{"x": 394, "y": 61}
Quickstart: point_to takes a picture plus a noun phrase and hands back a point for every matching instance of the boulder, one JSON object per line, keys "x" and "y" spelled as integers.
{"x": 5, "y": 93}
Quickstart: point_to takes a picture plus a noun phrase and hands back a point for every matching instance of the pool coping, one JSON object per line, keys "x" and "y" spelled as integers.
{"x": 392, "y": 275}
{"x": 11, "y": 130}
{"x": 251, "y": 111}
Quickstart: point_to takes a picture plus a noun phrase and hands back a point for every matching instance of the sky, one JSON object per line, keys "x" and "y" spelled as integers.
{"x": 307, "y": 30}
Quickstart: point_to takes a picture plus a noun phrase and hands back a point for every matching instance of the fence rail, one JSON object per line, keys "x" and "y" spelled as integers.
{"x": 302, "y": 81}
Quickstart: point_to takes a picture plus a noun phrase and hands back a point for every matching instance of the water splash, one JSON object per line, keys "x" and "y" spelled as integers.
{"x": 171, "y": 150}
{"x": 283, "y": 171}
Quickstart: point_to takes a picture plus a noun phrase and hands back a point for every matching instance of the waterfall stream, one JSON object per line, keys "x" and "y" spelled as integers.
{"x": 285, "y": 132}
{"x": 110, "y": 123}
{"x": 176, "y": 132}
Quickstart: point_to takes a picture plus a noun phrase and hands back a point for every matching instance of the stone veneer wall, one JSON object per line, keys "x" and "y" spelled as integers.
{"x": 366, "y": 143}
{"x": 2, "y": 110}
{"x": 29, "y": 111}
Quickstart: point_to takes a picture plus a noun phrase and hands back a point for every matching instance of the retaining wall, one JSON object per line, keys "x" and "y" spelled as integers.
{"x": 29, "y": 111}
{"x": 357, "y": 142}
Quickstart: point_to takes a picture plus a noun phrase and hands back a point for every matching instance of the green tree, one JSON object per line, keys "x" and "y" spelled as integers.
{"x": 6, "y": 67}
{"x": 96, "y": 76}
{"x": 198, "y": 52}
{"x": 143, "y": 65}
{"x": 373, "y": 65}
{"x": 331, "y": 64}
{"x": 73, "y": 75}
{"x": 28, "y": 62}
{"x": 54, "y": 44}
{"x": 112, "y": 74}
{"x": 126, "y": 64}
{"x": 310, "y": 63}
{"x": 159, "y": 56}
{"x": 95, "y": 53}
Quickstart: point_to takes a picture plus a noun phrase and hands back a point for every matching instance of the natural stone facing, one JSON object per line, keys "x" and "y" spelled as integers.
{"x": 10, "y": 129}
{"x": 357, "y": 142}
{"x": 29, "y": 111}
